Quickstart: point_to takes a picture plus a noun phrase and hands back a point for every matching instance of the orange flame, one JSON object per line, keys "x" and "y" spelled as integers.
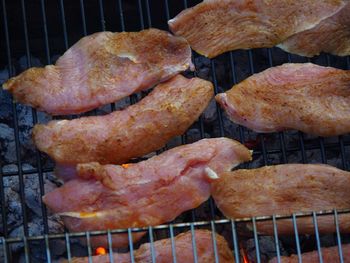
{"x": 126, "y": 165}
{"x": 245, "y": 258}
{"x": 244, "y": 255}
{"x": 100, "y": 251}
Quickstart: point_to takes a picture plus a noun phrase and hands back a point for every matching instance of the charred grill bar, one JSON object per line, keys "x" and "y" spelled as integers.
{"x": 233, "y": 66}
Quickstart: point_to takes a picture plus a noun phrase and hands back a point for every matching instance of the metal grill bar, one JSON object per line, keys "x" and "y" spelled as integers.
{"x": 26, "y": 249}
{"x": 167, "y": 14}
{"x": 67, "y": 239}
{"x": 314, "y": 219}
{"x": 180, "y": 225}
{"x": 213, "y": 236}
{"x": 121, "y": 15}
{"x": 150, "y": 233}
{"x": 194, "y": 246}
{"x": 148, "y": 11}
{"x": 16, "y": 130}
{"x": 110, "y": 250}
{"x": 131, "y": 246}
{"x": 297, "y": 242}
{"x": 82, "y": 10}
{"x": 275, "y": 232}
{"x": 4, "y": 248}
{"x": 342, "y": 151}
{"x": 35, "y": 118}
{"x": 339, "y": 243}
{"x": 47, "y": 246}
{"x": 46, "y": 38}
{"x": 322, "y": 149}
{"x": 218, "y": 109}
{"x": 235, "y": 241}
{"x": 102, "y": 15}
{"x": 256, "y": 241}
{"x": 3, "y": 205}
{"x": 64, "y": 27}
{"x": 302, "y": 147}
{"x": 173, "y": 249}
{"x": 141, "y": 15}
{"x": 88, "y": 243}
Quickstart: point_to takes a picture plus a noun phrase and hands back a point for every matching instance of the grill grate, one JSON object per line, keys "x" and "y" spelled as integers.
{"x": 49, "y": 27}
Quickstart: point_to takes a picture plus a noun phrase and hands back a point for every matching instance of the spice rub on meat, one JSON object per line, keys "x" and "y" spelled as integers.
{"x": 183, "y": 250}
{"x": 305, "y": 97}
{"x": 283, "y": 190}
{"x": 102, "y": 68}
{"x": 331, "y": 35}
{"x": 141, "y": 128}
{"x": 147, "y": 193}
{"x": 216, "y": 26}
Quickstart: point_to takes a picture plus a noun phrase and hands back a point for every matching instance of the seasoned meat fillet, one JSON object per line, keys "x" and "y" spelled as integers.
{"x": 329, "y": 255}
{"x": 147, "y": 193}
{"x": 283, "y": 190}
{"x": 139, "y": 129}
{"x": 100, "y": 69}
{"x": 305, "y": 97}
{"x": 216, "y": 26}
{"x": 183, "y": 248}
{"x": 332, "y": 35}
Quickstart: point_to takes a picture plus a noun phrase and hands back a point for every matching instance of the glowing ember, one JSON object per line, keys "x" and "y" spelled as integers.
{"x": 100, "y": 251}
{"x": 245, "y": 259}
{"x": 126, "y": 165}
{"x": 244, "y": 255}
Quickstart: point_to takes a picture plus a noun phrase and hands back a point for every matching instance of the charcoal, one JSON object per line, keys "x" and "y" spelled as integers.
{"x": 7, "y": 144}
{"x": 24, "y": 63}
{"x": 5, "y": 99}
{"x": 32, "y": 194}
{"x": 210, "y": 113}
{"x": 202, "y": 67}
{"x": 267, "y": 249}
{"x": 2, "y": 256}
{"x": 13, "y": 210}
{"x": 193, "y": 135}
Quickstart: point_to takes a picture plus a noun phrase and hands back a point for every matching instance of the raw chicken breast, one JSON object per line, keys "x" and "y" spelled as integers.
{"x": 100, "y": 69}
{"x": 332, "y": 35}
{"x": 283, "y": 190}
{"x": 216, "y": 26}
{"x": 144, "y": 127}
{"x": 183, "y": 248}
{"x": 147, "y": 193}
{"x": 305, "y": 97}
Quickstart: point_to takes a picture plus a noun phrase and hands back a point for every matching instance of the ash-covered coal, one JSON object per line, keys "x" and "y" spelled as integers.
{"x": 30, "y": 204}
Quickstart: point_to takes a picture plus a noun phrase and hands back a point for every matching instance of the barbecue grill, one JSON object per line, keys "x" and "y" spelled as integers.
{"x": 35, "y": 33}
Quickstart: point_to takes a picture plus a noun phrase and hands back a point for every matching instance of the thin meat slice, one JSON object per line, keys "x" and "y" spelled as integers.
{"x": 102, "y": 68}
{"x": 329, "y": 255}
{"x": 332, "y": 35}
{"x": 139, "y": 129}
{"x": 305, "y": 97}
{"x": 163, "y": 252}
{"x": 147, "y": 193}
{"x": 216, "y": 26}
{"x": 283, "y": 190}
